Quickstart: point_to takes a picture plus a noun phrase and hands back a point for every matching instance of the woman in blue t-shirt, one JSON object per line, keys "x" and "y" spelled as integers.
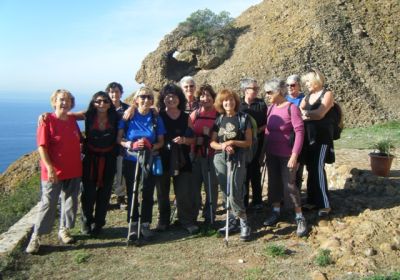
{"x": 144, "y": 131}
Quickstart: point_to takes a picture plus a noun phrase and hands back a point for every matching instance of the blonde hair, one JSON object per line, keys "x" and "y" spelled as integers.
{"x": 224, "y": 95}
{"x": 53, "y": 97}
{"x": 314, "y": 76}
{"x": 147, "y": 91}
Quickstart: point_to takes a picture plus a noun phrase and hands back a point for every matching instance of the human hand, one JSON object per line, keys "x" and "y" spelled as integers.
{"x": 42, "y": 118}
{"x": 129, "y": 113}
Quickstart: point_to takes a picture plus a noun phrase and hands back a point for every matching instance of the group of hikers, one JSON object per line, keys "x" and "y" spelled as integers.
{"x": 190, "y": 137}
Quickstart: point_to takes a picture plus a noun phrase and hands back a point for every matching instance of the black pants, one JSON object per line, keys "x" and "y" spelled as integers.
{"x": 95, "y": 198}
{"x": 317, "y": 187}
{"x": 147, "y": 192}
{"x": 253, "y": 177}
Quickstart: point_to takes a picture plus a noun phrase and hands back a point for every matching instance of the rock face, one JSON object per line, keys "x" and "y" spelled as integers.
{"x": 354, "y": 43}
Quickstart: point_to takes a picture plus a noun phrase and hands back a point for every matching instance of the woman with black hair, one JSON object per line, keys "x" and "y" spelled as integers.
{"x": 176, "y": 161}
{"x": 99, "y": 163}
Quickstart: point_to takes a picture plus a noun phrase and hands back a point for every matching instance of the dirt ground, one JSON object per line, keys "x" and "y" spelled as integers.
{"x": 362, "y": 234}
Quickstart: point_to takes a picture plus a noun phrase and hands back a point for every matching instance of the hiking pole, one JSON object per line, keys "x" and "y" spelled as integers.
{"x": 263, "y": 172}
{"x": 228, "y": 194}
{"x": 140, "y": 194}
{"x": 210, "y": 200}
{"x": 135, "y": 187}
{"x": 173, "y": 211}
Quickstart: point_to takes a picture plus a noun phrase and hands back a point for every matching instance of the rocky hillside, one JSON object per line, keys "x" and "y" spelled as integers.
{"x": 355, "y": 44}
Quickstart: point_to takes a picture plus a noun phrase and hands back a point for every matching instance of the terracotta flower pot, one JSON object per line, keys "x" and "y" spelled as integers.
{"x": 380, "y": 164}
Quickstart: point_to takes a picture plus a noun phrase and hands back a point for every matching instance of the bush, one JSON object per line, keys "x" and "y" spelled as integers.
{"x": 323, "y": 258}
{"x": 205, "y": 24}
{"x": 16, "y": 204}
{"x": 274, "y": 250}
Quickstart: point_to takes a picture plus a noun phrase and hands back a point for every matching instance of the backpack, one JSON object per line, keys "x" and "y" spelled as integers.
{"x": 249, "y": 152}
{"x": 338, "y": 120}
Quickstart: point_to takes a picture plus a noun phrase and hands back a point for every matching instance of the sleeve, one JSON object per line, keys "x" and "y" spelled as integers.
{"x": 160, "y": 126}
{"x": 298, "y": 127}
{"x": 122, "y": 124}
{"x": 43, "y": 134}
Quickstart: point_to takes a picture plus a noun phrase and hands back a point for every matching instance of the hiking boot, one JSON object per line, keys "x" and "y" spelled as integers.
{"x": 192, "y": 229}
{"x": 133, "y": 233}
{"x": 272, "y": 219}
{"x": 34, "y": 244}
{"x": 244, "y": 230}
{"x": 324, "y": 212}
{"x": 96, "y": 230}
{"x": 146, "y": 232}
{"x": 64, "y": 236}
{"x": 301, "y": 227}
{"x": 233, "y": 226}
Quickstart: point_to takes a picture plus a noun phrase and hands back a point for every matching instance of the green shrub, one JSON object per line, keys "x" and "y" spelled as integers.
{"x": 205, "y": 24}
{"x": 275, "y": 250}
{"x": 393, "y": 276}
{"x": 16, "y": 204}
{"x": 323, "y": 258}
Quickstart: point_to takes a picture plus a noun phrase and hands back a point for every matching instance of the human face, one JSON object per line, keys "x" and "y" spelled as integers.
{"x": 251, "y": 92}
{"x": 62, "y": 104}
{"x": 272, "y": 96}
{"x": 312, "y": 86}
{"x": 171, "y": 101}
{"x": 206, "y": 100}
{"x": 101, "y": 104}
{"x": 115, "y": 95}
{"x": 189, "y": 88}
{"x": 293, "y": 88}
{"x": 229, "y": 105}
{"x": 144, "y": 100}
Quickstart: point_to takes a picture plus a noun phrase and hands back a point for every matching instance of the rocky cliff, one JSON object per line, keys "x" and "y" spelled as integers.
{"x": 354, "y": 43}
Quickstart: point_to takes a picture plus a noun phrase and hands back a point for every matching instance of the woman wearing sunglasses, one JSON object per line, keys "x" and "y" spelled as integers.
{"x": 99, "y": 163}
{"x": 282, "y": 157}
{"x": 144, "y": 131}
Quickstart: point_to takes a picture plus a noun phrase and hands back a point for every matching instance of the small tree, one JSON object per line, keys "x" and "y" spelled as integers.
{"x": 205, "y": 24}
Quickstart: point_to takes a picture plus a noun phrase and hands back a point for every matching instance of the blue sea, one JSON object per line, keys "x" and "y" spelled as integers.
{"x": 18, "y": 122}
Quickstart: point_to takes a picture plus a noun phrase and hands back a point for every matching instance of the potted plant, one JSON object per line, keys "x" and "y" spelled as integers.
{"x": 381, "y": 158}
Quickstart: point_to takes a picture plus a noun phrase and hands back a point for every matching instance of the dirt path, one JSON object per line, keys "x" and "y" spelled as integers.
{"x": 362, "y": 234}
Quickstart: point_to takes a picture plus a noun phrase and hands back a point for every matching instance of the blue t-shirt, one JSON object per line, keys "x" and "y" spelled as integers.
{"x": 141, "y": 126}
{"x": 296, "y": 101}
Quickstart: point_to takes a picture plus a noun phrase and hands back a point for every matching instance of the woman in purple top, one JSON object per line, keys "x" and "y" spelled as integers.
{"x": 281, "y": 157}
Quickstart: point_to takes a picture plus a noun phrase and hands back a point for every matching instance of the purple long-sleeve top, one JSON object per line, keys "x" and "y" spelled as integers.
{"x": 279, "y": 126}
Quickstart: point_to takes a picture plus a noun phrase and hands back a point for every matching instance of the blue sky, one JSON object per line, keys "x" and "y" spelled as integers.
{"x": 81, "y": 45}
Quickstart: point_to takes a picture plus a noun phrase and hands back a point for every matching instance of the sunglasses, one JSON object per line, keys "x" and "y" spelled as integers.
{"x": 99, "y": 101}
{"x": 269, "y": 92}
{"x": 291, "y": 85}
{"x": 146, "y": 96}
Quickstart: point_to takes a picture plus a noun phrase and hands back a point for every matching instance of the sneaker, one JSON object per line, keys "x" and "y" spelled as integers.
{"x": 193, "y": 229}
{"x": 34, "y": 244}
{"x": 133, "y": 232}
{"x": 233, "y": 227}
{"x": 301, "y": 227}
{"x": 146, "y": 232}
{"x": 324, "y": 212}
{"x": 85, "y": 229}
{"x": 272, "y": 219}
{"x": 244, "y": 230}
{"x": 64, "y": 236}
